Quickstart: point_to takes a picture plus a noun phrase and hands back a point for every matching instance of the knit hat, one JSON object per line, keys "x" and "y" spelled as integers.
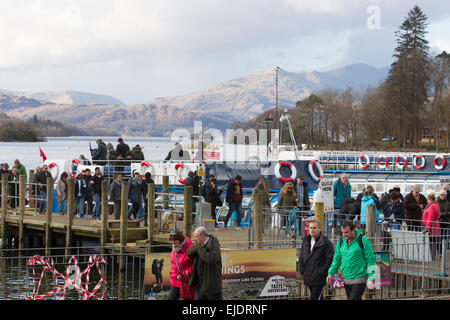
{"x": 120, "y": 140}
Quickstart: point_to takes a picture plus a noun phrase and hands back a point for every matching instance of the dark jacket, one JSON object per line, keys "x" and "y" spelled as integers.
{"x": 42, "y": 179}
{"x": 394, "y": 210}
{"x": 193, "y": 181}
{"x": 101, "y": 152}
{"x": 13, "y": 188}
{"x": 231, "y": 196}
{"x": 123, "y": 149}
{"x": 145, "y": 187}
{"x": 115, "y": 192}
{"x": 212, "y": 195}
{"x": 412, "y": 209}
{"x": 306, "y": 202}
{"x": 313, "y": 265}
{"x": 385, "y": 198}
{"x": 137, "y": 154}
{"x": 80, "y": 187}
{"x": 135, "y": 187}
{"x": 210, "y": 279}
{"x": 89, "y": 186}
{"x": 97, "y": 186}
{"x": 350, "y": 209}
{"x": 444, "y": 206}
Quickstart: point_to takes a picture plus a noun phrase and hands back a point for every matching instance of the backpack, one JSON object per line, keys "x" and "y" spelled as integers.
{"x": 361, "y": 245}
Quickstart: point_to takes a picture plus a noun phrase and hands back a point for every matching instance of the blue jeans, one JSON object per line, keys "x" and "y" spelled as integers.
{"x": 79, "y": 201}
{"x": 98, "y": 206}
{"x": 43, "y": 200}
{"x": 234, "y": 206}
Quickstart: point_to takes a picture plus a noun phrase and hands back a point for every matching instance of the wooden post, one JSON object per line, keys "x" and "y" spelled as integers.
{"x": 319, "y": 215}
{"x": 70, "y": 206}
{"x": 49, "y": 206}
{"x": 48, "y": 217}
{"x": 4, "y": 212}
{"x": 187, "y": 219}
{"x": 30, "y": 189}
{"x": 165, "y": 189}
{"x": 104, "y": 215}
{"x": 151, "y": 213}
{"x": 123, "y": 223}
{"x": 22, "y": 198}
{"x": 257, "y": 219}
{"x": 371, "y": 224}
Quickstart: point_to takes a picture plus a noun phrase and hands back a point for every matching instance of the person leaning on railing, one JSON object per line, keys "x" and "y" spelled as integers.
{"x": 430, "y": 219}
{"x": 414, "y": 204}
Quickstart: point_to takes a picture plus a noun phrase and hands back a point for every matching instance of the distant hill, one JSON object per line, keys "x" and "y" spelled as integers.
{"x": 219, "y": 106}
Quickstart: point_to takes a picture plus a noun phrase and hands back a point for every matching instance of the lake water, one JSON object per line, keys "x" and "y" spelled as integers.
{"x": 154, "y": 148}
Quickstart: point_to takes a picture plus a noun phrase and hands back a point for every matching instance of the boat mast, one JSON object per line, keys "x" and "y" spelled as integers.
{"x": 276, "y": 104}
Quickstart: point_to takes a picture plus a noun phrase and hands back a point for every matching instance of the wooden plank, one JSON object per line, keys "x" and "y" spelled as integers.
{"x": 123, "y": 223}
{"x": 4, "y": 208}
{"x": 70, "y": 210}
{"x": 104, "y": 214}
{"x": 48, "y": 216}
{"x": 187, "y": 217}
{"x": 22, "y": 197}
{"x": 151, "y": 228}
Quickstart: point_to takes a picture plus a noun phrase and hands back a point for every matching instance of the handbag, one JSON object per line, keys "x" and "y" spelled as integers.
{"x": 186, "y": 292}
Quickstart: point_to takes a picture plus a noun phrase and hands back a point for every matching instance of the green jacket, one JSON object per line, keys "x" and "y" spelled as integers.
{"x": 353, "y": 261}
{"x": 210, "y": 280}
{"x": 21, "y": 170}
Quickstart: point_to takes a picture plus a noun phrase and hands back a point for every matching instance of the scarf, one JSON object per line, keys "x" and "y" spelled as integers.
{"x": 179, "y": 247}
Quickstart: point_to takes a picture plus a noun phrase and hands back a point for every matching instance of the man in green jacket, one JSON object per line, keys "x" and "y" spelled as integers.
{"x": 355, "y": 258}
{"x": 20, "y": 168}
{"x": 207, "y": 271}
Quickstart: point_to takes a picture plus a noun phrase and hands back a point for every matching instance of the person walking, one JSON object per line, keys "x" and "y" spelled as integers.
{"x": 206, "y": 275}
{"x": 212, "y": 196}
{"x": 135, "y": 188}
{"x": 316, "y": 256}
{"x": 97, "y": 193}
{"x": 354, "y": 257}
{"x": 234, "y": 199}
{"x": 115, "y": 195}
{"x": 301, "y": 190}
{"x": 61, "y": 191}
{"x": 180, "y": 264}
{"x": 80, "y": 194}
{"x": 430, "y": 219}
{"x": 415, "y": 202}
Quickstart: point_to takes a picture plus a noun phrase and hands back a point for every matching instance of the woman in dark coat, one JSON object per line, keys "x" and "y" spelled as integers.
{"x": 414, "y": 204}
{"x": 212, "y": 196}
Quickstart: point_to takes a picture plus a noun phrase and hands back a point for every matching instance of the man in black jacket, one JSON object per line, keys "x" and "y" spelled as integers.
{"x": 97, "y": 188}
{"x": 101, "y": 153}
{"x": 315, "y": 259}
{"x": 234, "y": 200}
{"x": 89, "y": 195}
{"x": 41, "y": 179}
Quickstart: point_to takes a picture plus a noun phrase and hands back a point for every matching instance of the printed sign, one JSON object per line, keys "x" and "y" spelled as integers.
{"x": 326, "y": 188}
{"x": 336, "y": 282}
{"x": 245, "y": 273}
{"x": 383, "y": 270}
{"x": 444, "y": 180}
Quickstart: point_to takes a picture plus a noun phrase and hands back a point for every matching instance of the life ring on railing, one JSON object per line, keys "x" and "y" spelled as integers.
{"x": 436, "y": 166}
{"x": 311, "y": 165}
{"x": 422, "y": 165}
{"x": 278, "y": 173}
{"x": 386, "y": 162}
{"x": 397, "y": 162}
{"x": 54, "y": 170}
{"x": 75, "y": 164}
{"x": 146, "y": 167}
{"x": 365, "y": 166}
{"x": 178, "y": 168}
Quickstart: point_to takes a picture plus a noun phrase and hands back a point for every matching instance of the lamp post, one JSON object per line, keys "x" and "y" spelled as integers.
{"x": 268, "y": 120}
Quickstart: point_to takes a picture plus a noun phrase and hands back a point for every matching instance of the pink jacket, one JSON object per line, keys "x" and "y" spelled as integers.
{"x": 184, "y": 262}
{"x": 430, "y": 218}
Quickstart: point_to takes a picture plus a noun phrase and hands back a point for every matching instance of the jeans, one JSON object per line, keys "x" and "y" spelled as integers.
{"x": 98, "y": 206}
{"x": 355, "y": 291}
{"x": 89, "y": 206}
{"x": 117, "y": 205}
{"x": 232, "y": 207}
{"x": 43, "y": 200}
{"x": 79, "y": 201}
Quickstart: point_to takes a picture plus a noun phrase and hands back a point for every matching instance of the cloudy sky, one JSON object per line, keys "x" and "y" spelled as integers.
{"x": 137, "y": 50}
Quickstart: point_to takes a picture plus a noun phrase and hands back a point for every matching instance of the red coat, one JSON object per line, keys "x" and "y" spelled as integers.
{"x": 184, "y": 262}
{"x": 430, "y": 218}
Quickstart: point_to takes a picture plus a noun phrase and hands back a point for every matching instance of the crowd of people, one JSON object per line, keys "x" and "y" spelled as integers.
{"x": 428, "y": 213}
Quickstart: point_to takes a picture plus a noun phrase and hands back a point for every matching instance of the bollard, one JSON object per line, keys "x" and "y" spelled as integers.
{"x": 319, "y": 214}
{"x": 371, "y": 224}
{"x": 30, "y": 189}
{"x": 188, "y": 202}
{"x": 48, "y": 217}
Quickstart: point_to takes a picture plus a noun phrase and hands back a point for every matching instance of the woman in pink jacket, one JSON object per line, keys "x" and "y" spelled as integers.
{"x": 430, "y": 218}
{"x": 183, "y": 269}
